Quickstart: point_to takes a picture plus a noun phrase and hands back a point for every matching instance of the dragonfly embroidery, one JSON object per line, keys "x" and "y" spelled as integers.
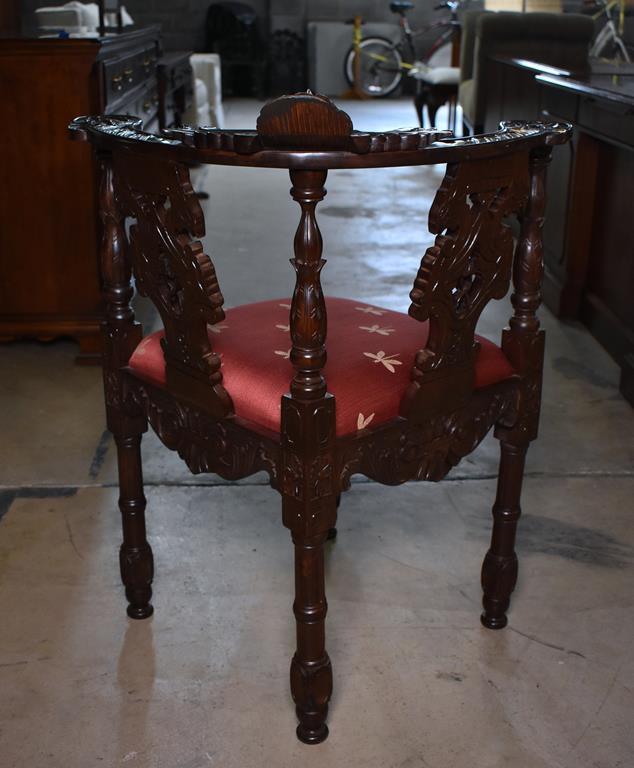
{"x": 370, "y": 310}
{"x": 388, "y": 361}
{"x": 377, "y": 329}
{"x": 362, "y": 422}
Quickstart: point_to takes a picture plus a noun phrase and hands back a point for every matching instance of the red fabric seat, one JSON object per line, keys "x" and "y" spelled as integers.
{"x": 370, "y": 356}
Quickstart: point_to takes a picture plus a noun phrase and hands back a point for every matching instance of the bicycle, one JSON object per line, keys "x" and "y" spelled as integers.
{"x": 608, "y": 41}
{"x": 383, "y": 62}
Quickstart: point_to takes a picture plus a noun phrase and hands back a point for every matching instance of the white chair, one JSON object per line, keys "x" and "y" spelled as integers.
{"x": 206, "y": 108}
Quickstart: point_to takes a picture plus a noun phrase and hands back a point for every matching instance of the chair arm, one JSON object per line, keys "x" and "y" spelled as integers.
{"x": 172, "y": 270}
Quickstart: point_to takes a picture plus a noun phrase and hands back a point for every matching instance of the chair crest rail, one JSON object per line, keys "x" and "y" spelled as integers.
{"x": 307, "y": 130}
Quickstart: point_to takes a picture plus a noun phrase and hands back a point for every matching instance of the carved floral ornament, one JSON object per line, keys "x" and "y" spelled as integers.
{"x": 471, "y": 259}
{"x": 390, "y": 455}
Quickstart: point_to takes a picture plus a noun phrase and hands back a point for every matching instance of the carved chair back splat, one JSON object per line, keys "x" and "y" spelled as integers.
{"x": 307, "y": 434}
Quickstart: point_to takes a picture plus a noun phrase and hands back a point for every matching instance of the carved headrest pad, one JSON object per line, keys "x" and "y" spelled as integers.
{"x": 304, "y": 119}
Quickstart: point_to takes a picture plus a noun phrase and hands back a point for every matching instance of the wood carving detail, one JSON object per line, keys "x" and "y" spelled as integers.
{"x": 523, "y": 341}
{"x": 397, "y": 454}
{"x": 305, "y": 122}
{"x": 205, "y": 444}
{"x": 298, "y": 119}
{"x": 358, "y": 142}
{"x": 471, "y": 260}
{"x": 170, "y": 265}
{"x": 308, "y": 308}
{"x": 307, "y": 482}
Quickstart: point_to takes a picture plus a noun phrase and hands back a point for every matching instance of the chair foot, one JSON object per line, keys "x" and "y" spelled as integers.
{"x": 332, "y": 534}
{"x": 312, "y": 737}
{"x": 137, "y": 569}
{"x": 311, "y": 688}
{"x": 493, "y": 622}
{"x": 140, "y": 611}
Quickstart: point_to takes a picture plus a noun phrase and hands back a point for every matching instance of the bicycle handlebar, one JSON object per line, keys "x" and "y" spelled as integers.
{"x": 451, "y": 4}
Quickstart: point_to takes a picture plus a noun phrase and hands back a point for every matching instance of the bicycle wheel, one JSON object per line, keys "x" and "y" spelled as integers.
{"x": 380, "y": 70}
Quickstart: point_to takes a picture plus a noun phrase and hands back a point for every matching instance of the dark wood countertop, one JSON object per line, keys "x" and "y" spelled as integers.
{"x": 608, "y": 87}
{"x": 607, "y": 80}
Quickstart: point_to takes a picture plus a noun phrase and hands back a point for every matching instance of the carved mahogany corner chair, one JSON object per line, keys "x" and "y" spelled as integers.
{"x": 407, "y": 396}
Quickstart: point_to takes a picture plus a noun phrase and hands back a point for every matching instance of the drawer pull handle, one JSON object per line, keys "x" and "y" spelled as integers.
{"x": 117, "y": 82}
{"x": 129, "y": 74}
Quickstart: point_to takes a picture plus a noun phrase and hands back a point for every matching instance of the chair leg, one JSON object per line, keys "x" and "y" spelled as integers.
{"x": 499, "y": 569}
{"x": 135, "y": 556}
{"x": 332, "y": 532}
{"x": 432, "y": 109}
{"x": 311, "y": 672}
{"x": 419, "y": 104}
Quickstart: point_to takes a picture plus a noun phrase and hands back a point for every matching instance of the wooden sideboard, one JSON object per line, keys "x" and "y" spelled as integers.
{"x": 588, "y": 234}
{"x": 49, "y": 285}
{"x": 596, "y": 265}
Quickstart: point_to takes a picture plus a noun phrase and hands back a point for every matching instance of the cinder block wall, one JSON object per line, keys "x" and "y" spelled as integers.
{"x": 183, "y": 21}
{"x": 293, "y": 14}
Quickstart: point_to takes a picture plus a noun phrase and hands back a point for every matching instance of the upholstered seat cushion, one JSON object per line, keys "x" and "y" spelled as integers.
{"x": 370, "y": 356}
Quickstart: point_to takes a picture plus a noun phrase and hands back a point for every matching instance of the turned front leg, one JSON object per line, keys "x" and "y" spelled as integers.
{"x": 308, "y": 477}
{"x": 311, "y": 672}
{"x": 135, "y": 556}
{"x": 499, "y": 570}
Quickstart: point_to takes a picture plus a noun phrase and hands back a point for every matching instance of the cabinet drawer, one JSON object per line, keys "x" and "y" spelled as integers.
{"x": 611, "y": 119}
{"x": 144, "y": 106}
{"x": 557, "y": 103}
{"x": 125, "y": 73}
{"x": 147, "y": 106}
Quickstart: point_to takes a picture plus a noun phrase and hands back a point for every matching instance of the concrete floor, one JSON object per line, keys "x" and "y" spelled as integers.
{"x": 418, "y": 682}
